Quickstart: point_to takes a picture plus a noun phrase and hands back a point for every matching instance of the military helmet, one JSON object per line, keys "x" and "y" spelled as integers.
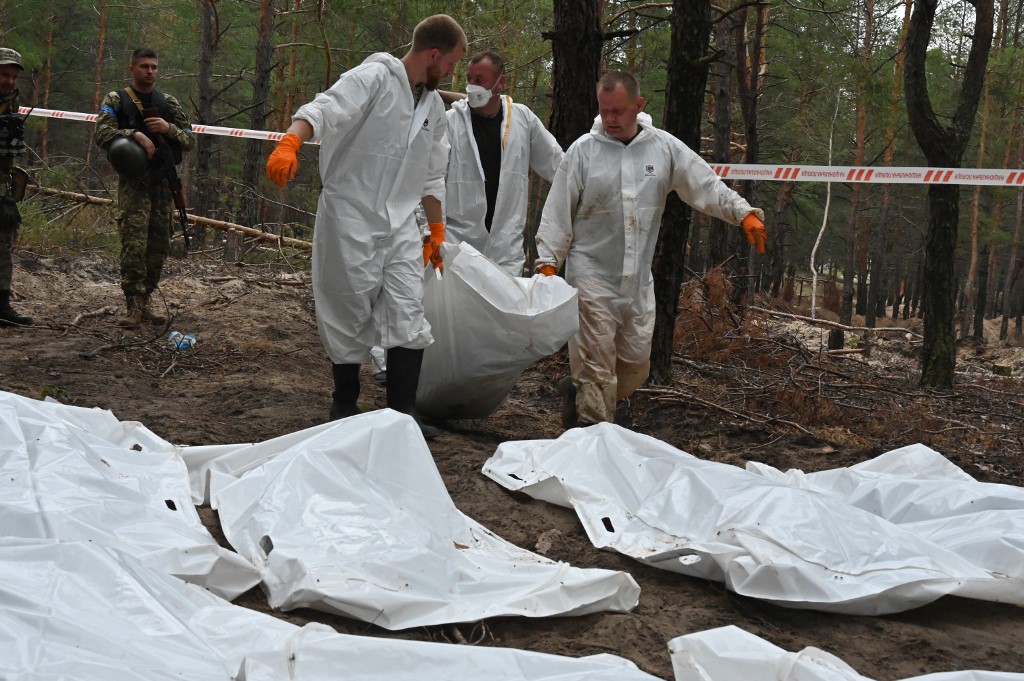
{"x": 127, "y": 157}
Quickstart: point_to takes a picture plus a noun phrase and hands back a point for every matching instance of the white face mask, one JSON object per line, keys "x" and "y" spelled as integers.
{"x": 478, "y": 95}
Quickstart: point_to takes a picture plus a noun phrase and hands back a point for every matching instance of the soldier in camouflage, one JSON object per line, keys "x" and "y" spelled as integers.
{"x": 152, "y": 119}
{"x": 11, "y": 144}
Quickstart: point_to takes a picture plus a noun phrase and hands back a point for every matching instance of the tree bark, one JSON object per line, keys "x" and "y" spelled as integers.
{"x": 887, "y": 157}
{"x": 850, "y": 260}
{"x": 970, "y": 283}
{"x": 97, "y": 72}
{"x": 943, "y": 146}
{"x": 293, "y": 61}
{"x": 751, "y": 70}
{"x": 576, "y": 51}
{"x": 44, "y": 136}
{"x": 783, "y": 201}
{"x": 250, "y": 206}
{"x": 723, "y": 241}
{"x": 979, "y": 308}
{"x": 1010, "y": 290}
{"x": 203, "y": 196}
{"x": 684, "y": 104}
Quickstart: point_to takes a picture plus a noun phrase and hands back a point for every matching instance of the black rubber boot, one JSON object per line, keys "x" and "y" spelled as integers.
{"x": 567, "y": 390}
{"x": 403, "y": 379}
{"x": 8, "y": 316}
{"x": 346, "y": 391}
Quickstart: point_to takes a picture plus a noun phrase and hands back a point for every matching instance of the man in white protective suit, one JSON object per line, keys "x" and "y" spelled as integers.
{"x": 601, "y": 219}
{"x": 494, "y": 144}
{"x": 382, "y": 131}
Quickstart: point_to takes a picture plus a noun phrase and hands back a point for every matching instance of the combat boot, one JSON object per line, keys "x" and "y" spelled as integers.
{"x": 8, "y": 317}
{"x": 133, "y": 316}
{"x": 148, "y": 315}
{"x": 346, "y": 391}
{"x": 402, "y": 381}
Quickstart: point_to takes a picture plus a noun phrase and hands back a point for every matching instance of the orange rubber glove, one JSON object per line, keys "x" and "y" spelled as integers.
{"x": 757, "y": 235}
{"x": 284, "y": 160}
{"x": 547, "y": 270}
{"x": 432, "y": 246}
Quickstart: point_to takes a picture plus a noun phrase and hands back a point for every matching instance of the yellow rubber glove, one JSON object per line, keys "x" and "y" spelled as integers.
{"x": 284, "y": 160}
{"x": 432, "y": 246}
{"x": 547, "y": 270}
{"x": 757, "y": 235}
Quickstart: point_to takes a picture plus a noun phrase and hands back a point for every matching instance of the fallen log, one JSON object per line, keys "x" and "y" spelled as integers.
{"x": 835, "y": 325}
{"x": 194, "y": 219}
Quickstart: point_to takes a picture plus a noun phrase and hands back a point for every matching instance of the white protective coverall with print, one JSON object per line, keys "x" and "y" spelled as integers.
{"x": 525, "y": 144}
{"x": 380, "y": 153}
{"x": 601, "y": 218}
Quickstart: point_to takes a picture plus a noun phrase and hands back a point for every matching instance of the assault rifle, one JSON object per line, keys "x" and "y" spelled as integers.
{"x": 164, "y": 167}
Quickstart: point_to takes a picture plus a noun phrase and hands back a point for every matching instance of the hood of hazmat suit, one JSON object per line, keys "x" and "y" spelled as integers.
{"x": 604, "y": 209}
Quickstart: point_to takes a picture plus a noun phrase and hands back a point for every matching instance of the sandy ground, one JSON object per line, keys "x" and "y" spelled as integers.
{"x": 259, "y": 371}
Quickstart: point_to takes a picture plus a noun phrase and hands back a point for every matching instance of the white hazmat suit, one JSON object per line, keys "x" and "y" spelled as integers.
{"x": 601, "y": 218}
{"x": 380, "y": 153}
{"x": 525, "y": 144}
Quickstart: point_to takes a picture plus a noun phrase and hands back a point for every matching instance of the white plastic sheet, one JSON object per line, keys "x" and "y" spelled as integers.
{"x": 488, "y": 327}
{"x": 353, "y": 517}
{"x": 730, "y": 653}
{"x": 923, "y": 492}
{"x": 80, "y": 474}
{"x": 762, "y": 535}
{"x": 78, "y": 611}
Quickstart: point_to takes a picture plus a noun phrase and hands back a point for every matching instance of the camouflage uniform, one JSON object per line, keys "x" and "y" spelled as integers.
{"x": 10, "y": 218}
{"x": 146, "y": 204}
{"x": 12, "y": 143}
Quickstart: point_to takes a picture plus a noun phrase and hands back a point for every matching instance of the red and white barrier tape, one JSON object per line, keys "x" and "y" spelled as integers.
{"x": 196, "y": 127}
{"x": 732, "y": 171}
{"x": 871, "y": 175}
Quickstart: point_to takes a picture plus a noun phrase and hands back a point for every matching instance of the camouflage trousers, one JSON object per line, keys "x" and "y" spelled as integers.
{"x": 144, "y": 226}
{"x": 10, "y": 220}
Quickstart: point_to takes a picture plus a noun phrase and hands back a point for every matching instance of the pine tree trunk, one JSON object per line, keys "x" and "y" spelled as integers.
{"x": 890, "y": 139}
{"x": 1014, "y": 303}
{"x": 684, "y": 104}
{"x": 777, "y": 269}
{"x": 943, "y": 146}
{"x": 914, "y": 306}
{"x": 723, "y": 242}
{"x": 1013, "y": 287}
{"x": 979, "y": 308}
{"x": 990, "y": 293}
{"x": 576, "y": 51}
{"x": 97, "y": 72}
{"x": 970, "y": 283}
{"x": 205, "y": 190}
{"x": 44, "y": 133}
{"x": 782, "y": 204}
{"x": 938, "y": 300}
{"x": 289, "y": 103}
{"x": 250, "y": 207}
{"x": 751, "y": 69}
{"x": 898, "y": 278}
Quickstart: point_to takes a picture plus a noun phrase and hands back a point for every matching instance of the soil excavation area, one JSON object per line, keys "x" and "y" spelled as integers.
{"x": 759, "y": 389}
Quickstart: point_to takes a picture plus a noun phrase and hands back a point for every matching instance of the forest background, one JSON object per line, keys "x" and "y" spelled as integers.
{"x": 815, "y": 82}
